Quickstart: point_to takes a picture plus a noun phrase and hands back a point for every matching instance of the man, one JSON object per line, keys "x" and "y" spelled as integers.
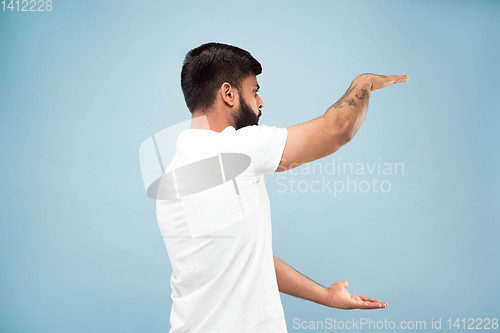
{"x": 225, "y": 278}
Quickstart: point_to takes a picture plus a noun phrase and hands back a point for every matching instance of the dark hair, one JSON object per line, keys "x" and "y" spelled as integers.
{"x": 208, "y": 66}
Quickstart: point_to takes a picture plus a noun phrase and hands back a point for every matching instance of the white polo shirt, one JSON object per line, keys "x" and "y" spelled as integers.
{"x": 219, "y": 240}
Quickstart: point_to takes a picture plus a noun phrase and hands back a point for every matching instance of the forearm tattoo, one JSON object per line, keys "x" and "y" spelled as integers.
{"x": 349, "y": 100}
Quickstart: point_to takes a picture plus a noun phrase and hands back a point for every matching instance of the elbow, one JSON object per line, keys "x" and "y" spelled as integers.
{"x": 339, "y": 132}
{"x": 344, "y": 132}
{"x": 346, "y": 136}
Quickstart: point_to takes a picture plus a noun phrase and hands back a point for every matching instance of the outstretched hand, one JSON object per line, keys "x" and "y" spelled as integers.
{"x": 338, "y": 297}
{"x": 382, "y": 81}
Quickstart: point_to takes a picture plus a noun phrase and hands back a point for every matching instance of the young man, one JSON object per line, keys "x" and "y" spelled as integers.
{"x": 225, "y": 278}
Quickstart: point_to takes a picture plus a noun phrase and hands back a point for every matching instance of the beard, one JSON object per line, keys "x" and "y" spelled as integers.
{"x": 245, "y": 116}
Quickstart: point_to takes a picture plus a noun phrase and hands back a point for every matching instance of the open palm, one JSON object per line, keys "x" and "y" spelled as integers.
{"x": 340, "y": 298}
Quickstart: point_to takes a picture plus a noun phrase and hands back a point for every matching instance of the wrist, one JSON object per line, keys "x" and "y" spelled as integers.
{"x": 364, "y": 81}
{"x": 322, "y": 296}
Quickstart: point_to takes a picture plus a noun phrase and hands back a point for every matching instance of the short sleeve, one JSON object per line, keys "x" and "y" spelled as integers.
{"x": 265, "y": 145}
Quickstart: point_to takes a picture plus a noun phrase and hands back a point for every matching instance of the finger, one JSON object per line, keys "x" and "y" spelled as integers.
{"x": 363, "y": 302}
{"x": 344, "y": 283}
{"x": 399, "y": 78}
{"x": 372, "y": 305}
{"x": 357, "y": 302}
{"x": 364, "y": 298}
{"x": 356, "y": 299}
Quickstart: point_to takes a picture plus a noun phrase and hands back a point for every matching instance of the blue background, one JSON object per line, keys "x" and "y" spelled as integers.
{"x": 81, "y": 87}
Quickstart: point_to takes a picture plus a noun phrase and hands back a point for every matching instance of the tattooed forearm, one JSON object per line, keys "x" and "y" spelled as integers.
{"x": 348, "y": 113}
{"x": 350, "y": 101}
{"x": 345, "y": 98}
{"x": 364, "y": 94}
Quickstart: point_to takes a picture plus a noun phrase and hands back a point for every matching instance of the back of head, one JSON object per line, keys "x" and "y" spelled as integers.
{"x": 208, "y": 66}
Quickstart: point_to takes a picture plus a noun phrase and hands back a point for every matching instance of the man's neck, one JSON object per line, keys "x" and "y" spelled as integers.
{"x": 208, "y": 122}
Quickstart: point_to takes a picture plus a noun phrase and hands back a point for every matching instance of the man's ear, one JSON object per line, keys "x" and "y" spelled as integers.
{"x": 228, "y": 93}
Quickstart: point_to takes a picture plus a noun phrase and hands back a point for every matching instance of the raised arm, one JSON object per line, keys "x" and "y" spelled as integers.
{"x": 324, "y": 135}
{"x": 295, "y": 284}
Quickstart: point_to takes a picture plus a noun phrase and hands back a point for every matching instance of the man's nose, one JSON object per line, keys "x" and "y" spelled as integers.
{"x": 260, "y": 103}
